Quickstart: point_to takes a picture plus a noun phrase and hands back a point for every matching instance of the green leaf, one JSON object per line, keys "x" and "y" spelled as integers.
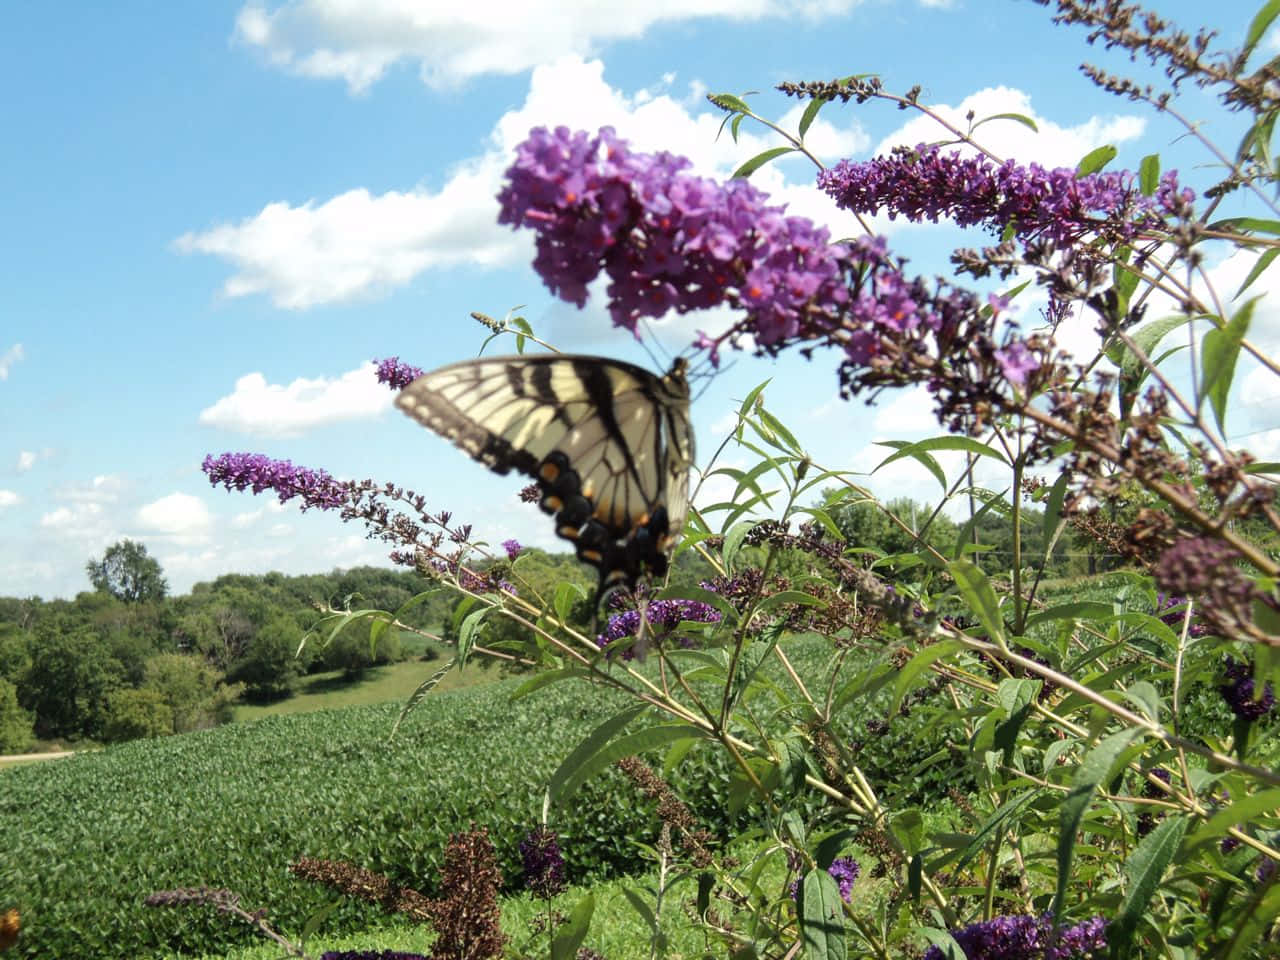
{"x": 1143, "y": 870}
{"x": 1017, "y": 117}
{"x": 1080, "y": 610}
{"x": 908, "y": 826}
{"x": 592, "y": 745}
{"x": 1146, "y": 698}
{"x": 1240, "y": 811}
{"x": 759, "y": 160}
{"x": 627, "y": 746}
{"x": 1259, "y": 266}
{"x": 415, "y": 698}
{"x": 811, "y": 113}
{"x": 467, "y": 634}
{"x": 821, "y": 917}
{"x": 379, "y": 626}
{"x": 1017, "y": 697}
{"x": 1261, "y": 21}
{"x": 1094, "y": 770}
{"x": 733, "y": 541}
{"x": 1053, "y": 507}
{"x": 567, "y": 593}
{"x": 976, "y": 590}
{"x": 918, "y": 664}
{"x": 316, "y": 919}
{"x": 1243, "y": 224}
{"x": 942, "y": 940}
{"x": 749, "y": 401}
{"x": 545, "y": 678}
{"x": 1149, "y": 174}
{"x": 1095, "y": 160}
{"x": 1218, "y": 359}
{"x": 1252, "y": 930}
{"x": 789, "y": 442}
{"x": 640, "y": 906}
{"x": 964, "y": 444}
{"x": 994, "y": 823}
{"x": 928, "y": 462}
{"x": 571, "y": 933}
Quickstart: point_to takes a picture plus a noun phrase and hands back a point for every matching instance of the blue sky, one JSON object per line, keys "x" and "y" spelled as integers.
{"x": 214, "y": 215}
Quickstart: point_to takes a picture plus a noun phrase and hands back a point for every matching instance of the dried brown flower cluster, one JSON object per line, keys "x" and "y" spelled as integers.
{"x": 671, "y": 810}
{"x": 466, "y": 918}
{"x": 364, "y": 885}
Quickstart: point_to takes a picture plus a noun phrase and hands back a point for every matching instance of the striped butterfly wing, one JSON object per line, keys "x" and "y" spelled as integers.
{"x": 609, "y": 444}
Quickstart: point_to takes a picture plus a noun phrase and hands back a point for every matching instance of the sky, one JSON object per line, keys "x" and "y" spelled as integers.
{"x": 215, "y": 215}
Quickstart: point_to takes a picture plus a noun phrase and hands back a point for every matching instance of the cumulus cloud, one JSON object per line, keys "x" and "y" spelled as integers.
{"x": 9, "y": 358}
{"x": 8, "y": 498}
{"x": 360, "y": 245}
{"x": 270, "y": 409}
{"x": 451, "y": 43}
{"x": 26, "y": 460}
{"x": 1052, "y": 146}
{"x": 178, "y": 514}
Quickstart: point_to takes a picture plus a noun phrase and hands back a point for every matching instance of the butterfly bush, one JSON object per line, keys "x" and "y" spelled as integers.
{"x": 925, "y": 183}
{"x": 1027, "y": 938}
{"x": 1029, "y": 699}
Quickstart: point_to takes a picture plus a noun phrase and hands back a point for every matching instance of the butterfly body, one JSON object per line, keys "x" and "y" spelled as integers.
{"x": 609, "y": 443}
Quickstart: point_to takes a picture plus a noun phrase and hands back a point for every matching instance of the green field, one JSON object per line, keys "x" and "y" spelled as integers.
{"x": 380, "y": 684}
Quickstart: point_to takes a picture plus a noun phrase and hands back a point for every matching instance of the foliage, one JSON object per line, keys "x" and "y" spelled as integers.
{"x": 135, "y": 715}
{"x": 191, "y": 688}
{"x": 71, "y": 674}
{"x": 15, "y": 722}
{"x": 128, "y": 573}
{"x": 269, "y": 667}
{"x": 209, "y": 807}
{"x": 1098, "y": 800}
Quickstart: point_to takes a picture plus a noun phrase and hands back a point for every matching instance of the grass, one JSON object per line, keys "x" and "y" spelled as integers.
{"x": 617, "y": 930}
{"x": 397, "y": 681}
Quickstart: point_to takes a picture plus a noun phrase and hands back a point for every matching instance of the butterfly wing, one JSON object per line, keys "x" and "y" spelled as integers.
{"x": 609, "y": 444}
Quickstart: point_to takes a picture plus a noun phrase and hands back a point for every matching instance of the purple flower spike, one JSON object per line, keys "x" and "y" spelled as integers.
{"x": 1028, "y": 938}
{"x": 258, "y": 472}
{"x": 512, "y": 547}
{"x": 395, "y": 374}
{"x": 1239, "y": 690}
{"x": 543, "y": 864}
{"x": 925, "y": 184}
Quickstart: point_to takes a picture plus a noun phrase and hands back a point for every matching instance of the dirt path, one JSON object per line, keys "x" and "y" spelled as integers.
{"x": 19, "y": 757}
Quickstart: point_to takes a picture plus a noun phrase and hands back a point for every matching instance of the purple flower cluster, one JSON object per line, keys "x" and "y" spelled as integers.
{"x": 844, "y": 870}
{"x": 1028, "y": 938}
{"x": 665, "y": 238}
{"x": 395, "y": 374}
{"x": 371, "y": 955}
{"x": 512, "y": 547}
{"x": 258, "y": 472}
{"x": 663, "y": 617}
{"x": 543, "y": 864}
{"x": 1239, "y": 688}
{"x": 925, "y": 184}
{"x": 1174, "y": 618}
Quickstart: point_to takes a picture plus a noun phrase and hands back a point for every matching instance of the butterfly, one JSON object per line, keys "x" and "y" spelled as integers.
{"x": 609, "y": 444}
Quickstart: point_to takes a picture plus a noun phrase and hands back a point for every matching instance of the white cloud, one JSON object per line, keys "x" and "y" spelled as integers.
{"x": 73, "y": 519}
{"x": 8, "y": 498}
{"x": 178, "y": 515}
{"x": 1052, "y": 146}
{"x": 450, "y": 43}
{"x": 9, "y": 358}
{"x": 26, "y": 460}
{"x": 359, "y": 245}
{"x": 269, "y": 409}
